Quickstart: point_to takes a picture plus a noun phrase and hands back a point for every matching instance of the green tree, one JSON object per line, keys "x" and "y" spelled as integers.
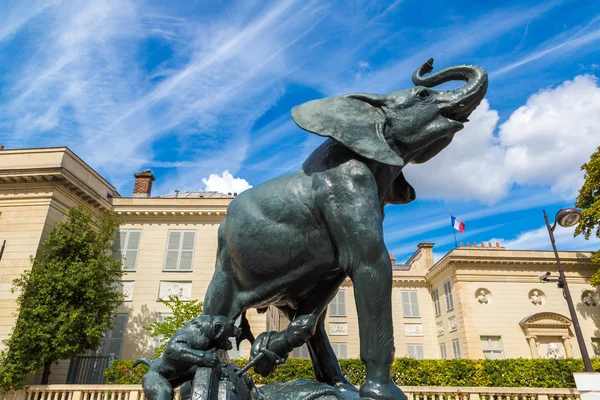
{"x": 589, "y": 203}
{"x": 181, "y": 312}
{"x": 66, "y": 300}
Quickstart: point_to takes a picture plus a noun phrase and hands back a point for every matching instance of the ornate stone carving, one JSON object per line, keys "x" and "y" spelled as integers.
{"x": 126, "y": 288}
{"x": 589, "y": 299}
{"x": 413, "y": 329}
{"x": 452, "y": 324}
{"x": 183, "y": 290}
{"x": 535, "y": 298}
{"x": 554, "y": 351}
{"x": 483, "y": 296}
{"x": 440, "y": 328}
{"x": 338, "y": 329}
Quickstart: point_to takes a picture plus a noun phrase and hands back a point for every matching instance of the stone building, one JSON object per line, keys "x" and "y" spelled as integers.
{"x": 479, "y": 300}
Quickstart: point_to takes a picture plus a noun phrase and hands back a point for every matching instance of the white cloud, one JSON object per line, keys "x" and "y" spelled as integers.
{"x": 225, "y": 183}
{"x": 470, "y": 167}
{"x": 538, "y": 239}
{"x": 553, "y": 134}
{"x": 543, "y": 143}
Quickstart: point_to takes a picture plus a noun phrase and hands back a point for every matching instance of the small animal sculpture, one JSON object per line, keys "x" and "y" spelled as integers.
{"x": 191, "y": 347}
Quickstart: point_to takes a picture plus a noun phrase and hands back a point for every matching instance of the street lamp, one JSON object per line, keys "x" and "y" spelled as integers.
{"x": 567, "y": 217}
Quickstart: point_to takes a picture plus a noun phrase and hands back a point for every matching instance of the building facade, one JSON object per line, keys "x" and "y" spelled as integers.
{"x": 477, "y": 301}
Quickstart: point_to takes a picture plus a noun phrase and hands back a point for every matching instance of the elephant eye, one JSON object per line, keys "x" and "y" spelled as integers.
{"x": 423, "y": 94}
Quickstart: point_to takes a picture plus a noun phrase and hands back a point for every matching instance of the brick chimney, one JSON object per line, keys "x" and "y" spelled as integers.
{"x": 393, "y": 259}
{"x": 143, "y": 183}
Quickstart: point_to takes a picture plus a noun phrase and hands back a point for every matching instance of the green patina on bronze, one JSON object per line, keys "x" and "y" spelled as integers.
{"x": 291, "y": 241}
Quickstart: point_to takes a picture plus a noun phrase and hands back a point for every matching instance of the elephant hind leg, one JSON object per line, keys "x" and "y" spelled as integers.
{"x": 222, "y": 296}
{"x": 324, "y": 361}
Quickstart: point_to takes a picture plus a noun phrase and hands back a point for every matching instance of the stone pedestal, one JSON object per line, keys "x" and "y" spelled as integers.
{"x": 588, "y": 384}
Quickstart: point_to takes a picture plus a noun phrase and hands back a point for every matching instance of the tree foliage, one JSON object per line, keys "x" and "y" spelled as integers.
{"x": 181, "y": 311}
{"x": 66, "y": 300}
{"x": 589, "y": 203}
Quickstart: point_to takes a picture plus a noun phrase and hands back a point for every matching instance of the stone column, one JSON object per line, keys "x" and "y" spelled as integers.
{"x": 567, "y": 344}
{"x": 532, "y": 346}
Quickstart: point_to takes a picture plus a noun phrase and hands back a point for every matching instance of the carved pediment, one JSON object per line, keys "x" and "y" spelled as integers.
{"x": 546, "y": 320}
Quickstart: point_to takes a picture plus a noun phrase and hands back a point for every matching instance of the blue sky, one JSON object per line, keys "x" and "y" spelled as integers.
{"x": 200, "y": 92}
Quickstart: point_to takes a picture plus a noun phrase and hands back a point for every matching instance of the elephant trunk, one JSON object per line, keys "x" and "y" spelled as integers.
{"x": 467, "y": 96}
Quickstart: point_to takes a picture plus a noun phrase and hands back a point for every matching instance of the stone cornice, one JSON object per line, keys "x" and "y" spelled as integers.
{"x": 59, "y": 175}
{"x": 170, "y": 207}
{"x": 507, "y": 260}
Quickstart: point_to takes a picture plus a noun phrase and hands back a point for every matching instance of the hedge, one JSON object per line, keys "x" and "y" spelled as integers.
{"x": 516, "y": 372}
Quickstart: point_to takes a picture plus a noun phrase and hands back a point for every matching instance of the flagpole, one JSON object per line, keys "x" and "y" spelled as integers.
{"x": 453, "y": 231}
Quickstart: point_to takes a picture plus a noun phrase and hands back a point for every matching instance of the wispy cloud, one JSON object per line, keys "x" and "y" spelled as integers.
{"x": 538, "y": 239}
{"x": 577, "y": 40}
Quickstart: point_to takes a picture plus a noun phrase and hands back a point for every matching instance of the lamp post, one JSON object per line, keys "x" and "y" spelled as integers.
{"x": 567, "y": 217}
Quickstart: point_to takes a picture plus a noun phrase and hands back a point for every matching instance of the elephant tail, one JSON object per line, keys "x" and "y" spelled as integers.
{"x": 139, "y": 361}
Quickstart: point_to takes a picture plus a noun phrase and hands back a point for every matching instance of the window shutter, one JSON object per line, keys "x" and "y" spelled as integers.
{"x": 187, "y": 251}
{"x": 341, "y": 302}
{"x": 131, "y": 250}
{"x": 122, "y": 243}
{"x": 172, "y": 258}
{"x": 337, "y": 307}
{"x": 180, "y": 250}
{"x": 414, "y": 304}
{"x": 340, "y": 349}
{"x": 406, "y": 304}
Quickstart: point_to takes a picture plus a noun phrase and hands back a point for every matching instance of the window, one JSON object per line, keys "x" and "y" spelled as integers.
{"x": 596, "y": 346}
{"x": 449, "y": 299}
{"x": 410, "y": 303}
{"x": 159, "y": 340}
{"x": 456, "y": 348}
{"x": 414, "y": 350}
{"x": 492, "y": 347}
{"x": 301, "y": 352}
{"x": 337, "y": 307}
{"x": 112, "y": 340}
{"x": 129, "y": 248}
{"x": 180, "y": 250}
{"x": 340, "y": 350}
{"x": 436, "y": 302}
{"x": 443, "y": 354}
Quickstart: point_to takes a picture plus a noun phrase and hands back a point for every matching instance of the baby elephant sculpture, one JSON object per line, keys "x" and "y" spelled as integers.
{"x": 189, "y": 348}
{"x": 290, "y": 242}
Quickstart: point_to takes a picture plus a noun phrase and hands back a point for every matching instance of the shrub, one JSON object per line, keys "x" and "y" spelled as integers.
{"x": 516, "y": 372}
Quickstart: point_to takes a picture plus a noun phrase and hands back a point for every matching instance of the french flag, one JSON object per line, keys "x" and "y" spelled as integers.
{"x": 458, "y": 224}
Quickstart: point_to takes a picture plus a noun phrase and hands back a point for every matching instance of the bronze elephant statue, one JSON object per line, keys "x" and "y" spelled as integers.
{"x": 291, "y": 241}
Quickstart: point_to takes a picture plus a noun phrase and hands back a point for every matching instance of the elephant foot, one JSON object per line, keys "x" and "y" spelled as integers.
{"x": 381, "y": 391}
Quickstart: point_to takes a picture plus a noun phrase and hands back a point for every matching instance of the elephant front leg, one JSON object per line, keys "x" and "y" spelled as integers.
{"x": 376, "y": 330}
{"x": 355, "y": 222}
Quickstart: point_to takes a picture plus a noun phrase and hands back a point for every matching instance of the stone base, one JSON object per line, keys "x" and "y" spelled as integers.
{"x": 303, "y": 389}
{"x": 588, "y": 385}
{"x": 223, "y": 383}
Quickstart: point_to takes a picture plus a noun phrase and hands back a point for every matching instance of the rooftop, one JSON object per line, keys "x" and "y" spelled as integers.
{"x": 202, "y": 194}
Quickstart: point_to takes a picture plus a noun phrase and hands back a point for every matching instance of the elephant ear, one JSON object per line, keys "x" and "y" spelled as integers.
{"x": 357, "y": 121}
